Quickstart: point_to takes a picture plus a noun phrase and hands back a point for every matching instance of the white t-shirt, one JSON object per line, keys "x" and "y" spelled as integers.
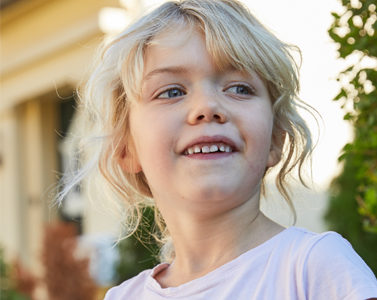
{"x": 295, "y": 264}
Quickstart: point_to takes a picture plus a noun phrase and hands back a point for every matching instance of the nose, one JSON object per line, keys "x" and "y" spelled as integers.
{"x": 206, "y": 108}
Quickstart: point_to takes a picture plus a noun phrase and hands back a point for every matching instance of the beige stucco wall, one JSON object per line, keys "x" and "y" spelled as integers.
{"x": 10, "y": 222}
{"x": 47, "y": 46}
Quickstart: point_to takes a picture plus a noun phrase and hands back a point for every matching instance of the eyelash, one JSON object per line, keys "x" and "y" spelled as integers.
{"x": 249, "y": 90}
{"x": 169, "y": 90}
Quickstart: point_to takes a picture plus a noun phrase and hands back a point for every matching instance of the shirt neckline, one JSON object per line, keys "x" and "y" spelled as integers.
{"x": 206, "y": 281}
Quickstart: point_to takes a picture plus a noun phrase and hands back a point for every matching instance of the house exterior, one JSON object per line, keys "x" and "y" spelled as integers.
{"x": 46, "y": 46}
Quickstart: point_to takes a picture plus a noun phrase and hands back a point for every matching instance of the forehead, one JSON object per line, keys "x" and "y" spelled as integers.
{"x": 176, "y": 34}
{"x": 184, "y": 45}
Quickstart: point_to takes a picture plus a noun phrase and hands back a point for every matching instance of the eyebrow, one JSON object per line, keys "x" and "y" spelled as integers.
{"x": 172, "y": 70}
{"x": 176, "y": 70}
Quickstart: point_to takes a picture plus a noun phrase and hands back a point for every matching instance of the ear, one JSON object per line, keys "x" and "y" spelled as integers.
{"x": 128, "y": 160}
{"x": 277, "y": 144}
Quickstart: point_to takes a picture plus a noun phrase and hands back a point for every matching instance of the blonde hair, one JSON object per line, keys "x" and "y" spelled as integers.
{"x": 234, "y": 38}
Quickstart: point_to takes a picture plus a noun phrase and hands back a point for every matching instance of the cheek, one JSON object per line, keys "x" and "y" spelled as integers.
{"x": 153, "y": 137}
{"x": 258, "y": 133}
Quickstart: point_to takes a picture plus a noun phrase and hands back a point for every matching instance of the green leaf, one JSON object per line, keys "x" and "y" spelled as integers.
{"x": 342, "y": 94}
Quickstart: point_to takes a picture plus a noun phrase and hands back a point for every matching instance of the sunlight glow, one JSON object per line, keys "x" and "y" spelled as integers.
{"x": 112, "y": 20}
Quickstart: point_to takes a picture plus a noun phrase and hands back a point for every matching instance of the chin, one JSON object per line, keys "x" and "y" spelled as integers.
{"x": 213, "y": 193}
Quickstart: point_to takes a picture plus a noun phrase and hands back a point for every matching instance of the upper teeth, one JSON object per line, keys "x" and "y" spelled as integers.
{"x": 208, "y": 149}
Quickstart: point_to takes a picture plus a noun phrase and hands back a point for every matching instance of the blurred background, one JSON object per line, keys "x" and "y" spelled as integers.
{"x": 68, "y": 252}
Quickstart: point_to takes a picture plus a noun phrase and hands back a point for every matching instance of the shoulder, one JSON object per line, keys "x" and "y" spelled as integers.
{"x": 331, "y": 268}
{"x": 300, "y": 244}
{"x": 331, "y": 249}
{"x": 322, "y": 246}
{"x": 130, "y": 287}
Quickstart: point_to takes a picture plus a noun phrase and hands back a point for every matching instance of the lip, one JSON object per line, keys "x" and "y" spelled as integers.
{"x": 212, "y": 139}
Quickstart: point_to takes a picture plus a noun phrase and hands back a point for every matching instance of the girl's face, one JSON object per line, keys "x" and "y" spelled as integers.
{"x": 202, "y": 136}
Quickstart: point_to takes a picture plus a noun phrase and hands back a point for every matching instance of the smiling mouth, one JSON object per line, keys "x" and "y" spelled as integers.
{"x": 206, "y": 148}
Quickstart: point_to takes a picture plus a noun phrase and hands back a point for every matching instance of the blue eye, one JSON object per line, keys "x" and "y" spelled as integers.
{"x": 171, "y": 93}
{"x": 240, "y": 89}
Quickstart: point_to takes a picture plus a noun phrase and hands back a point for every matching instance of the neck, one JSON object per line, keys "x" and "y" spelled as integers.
{"x": 203, "y": 244}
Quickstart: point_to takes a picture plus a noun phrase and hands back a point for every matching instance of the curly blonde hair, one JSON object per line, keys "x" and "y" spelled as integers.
{"x": 233, "y": 37}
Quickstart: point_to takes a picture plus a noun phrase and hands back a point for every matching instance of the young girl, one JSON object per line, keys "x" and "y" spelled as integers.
{"x": 195, "y": 102}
